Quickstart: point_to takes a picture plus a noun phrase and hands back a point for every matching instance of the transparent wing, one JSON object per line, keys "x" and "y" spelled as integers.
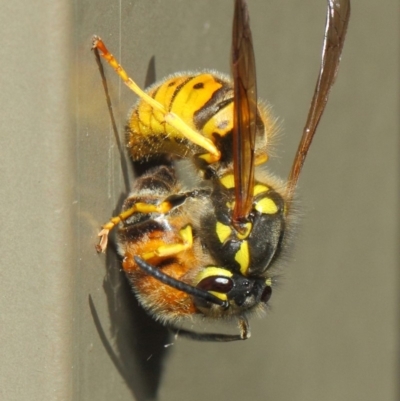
{"x": 338, "y": 14}
{"x": 245, "y": 111}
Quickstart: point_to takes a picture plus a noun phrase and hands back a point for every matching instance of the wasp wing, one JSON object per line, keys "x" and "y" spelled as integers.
{"x": 245, "y": 111}
{"x": 338, "y": 14}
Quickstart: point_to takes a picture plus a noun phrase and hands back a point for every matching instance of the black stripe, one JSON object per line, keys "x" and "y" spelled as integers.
{"x": 177, "y": 90}
{"x": 139, "y": 228}
{"x": 159, "y": 178}
{"x": 221, "y": 98}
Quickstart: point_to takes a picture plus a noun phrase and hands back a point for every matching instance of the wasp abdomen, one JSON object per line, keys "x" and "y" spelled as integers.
{"x": 202, "y": 101}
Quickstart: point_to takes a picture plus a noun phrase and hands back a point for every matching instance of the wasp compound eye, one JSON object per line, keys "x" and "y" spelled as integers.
{"x": 219, "y": 284}
{"x": 266, "y": 295}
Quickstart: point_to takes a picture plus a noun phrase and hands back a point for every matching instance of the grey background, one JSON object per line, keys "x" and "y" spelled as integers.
{"x": 332, "y": 331}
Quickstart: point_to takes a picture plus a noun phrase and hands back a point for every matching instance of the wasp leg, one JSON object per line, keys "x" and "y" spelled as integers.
{"x": 164, "y": 207}
{"x": 139, "y": 207}
{"x": 166, "y": 250}
{"x": 174, "y": 120}
{"x": 216, "y": 337}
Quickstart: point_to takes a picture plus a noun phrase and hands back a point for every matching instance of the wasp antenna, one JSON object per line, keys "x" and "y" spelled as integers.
{"x": 179, "y": 285}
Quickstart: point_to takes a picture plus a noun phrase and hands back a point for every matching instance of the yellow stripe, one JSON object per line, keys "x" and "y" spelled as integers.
{"x": 167, "y": 89}
{"x": 266, "y": 206}
{"x": 219, "y": 295}
{"x": 197, "y": 98}
{"x": 228, "y": 181}
{"x": 243, "y": 257}
{"x": 220, "y": 123}
{"x": 259, "y": 188}
{"x": 222, "y": 231}
{"x": 151, "y": 121}
{"x": 212, "y": 271}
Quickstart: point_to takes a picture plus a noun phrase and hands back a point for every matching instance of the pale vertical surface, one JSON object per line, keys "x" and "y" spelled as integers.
{"x": 36, "y": 190}
{"x": 332, "y": 330}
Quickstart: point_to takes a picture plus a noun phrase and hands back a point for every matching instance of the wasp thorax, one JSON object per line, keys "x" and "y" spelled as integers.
{"x": 250, "y": 248}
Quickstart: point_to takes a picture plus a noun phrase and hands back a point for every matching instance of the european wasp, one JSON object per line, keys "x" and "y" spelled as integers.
{"x": 208, "y": 250}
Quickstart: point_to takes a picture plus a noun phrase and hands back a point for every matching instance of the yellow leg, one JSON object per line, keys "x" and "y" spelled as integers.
{"x": 169, "y": 117}
{"x": 140, "y": 207}
{"x": 173, "y": 249}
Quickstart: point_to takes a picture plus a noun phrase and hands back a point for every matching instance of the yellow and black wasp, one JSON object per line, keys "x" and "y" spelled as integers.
{"x": 208, "y": 250}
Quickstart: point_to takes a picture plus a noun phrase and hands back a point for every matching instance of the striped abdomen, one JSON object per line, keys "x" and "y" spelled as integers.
{"x": 204, "y": 101}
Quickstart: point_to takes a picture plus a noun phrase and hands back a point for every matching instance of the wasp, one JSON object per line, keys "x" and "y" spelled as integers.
{"x": 208, "y": 250}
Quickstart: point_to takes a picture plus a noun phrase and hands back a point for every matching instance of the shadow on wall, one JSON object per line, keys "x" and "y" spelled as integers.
{"x": 139, "y": 342}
